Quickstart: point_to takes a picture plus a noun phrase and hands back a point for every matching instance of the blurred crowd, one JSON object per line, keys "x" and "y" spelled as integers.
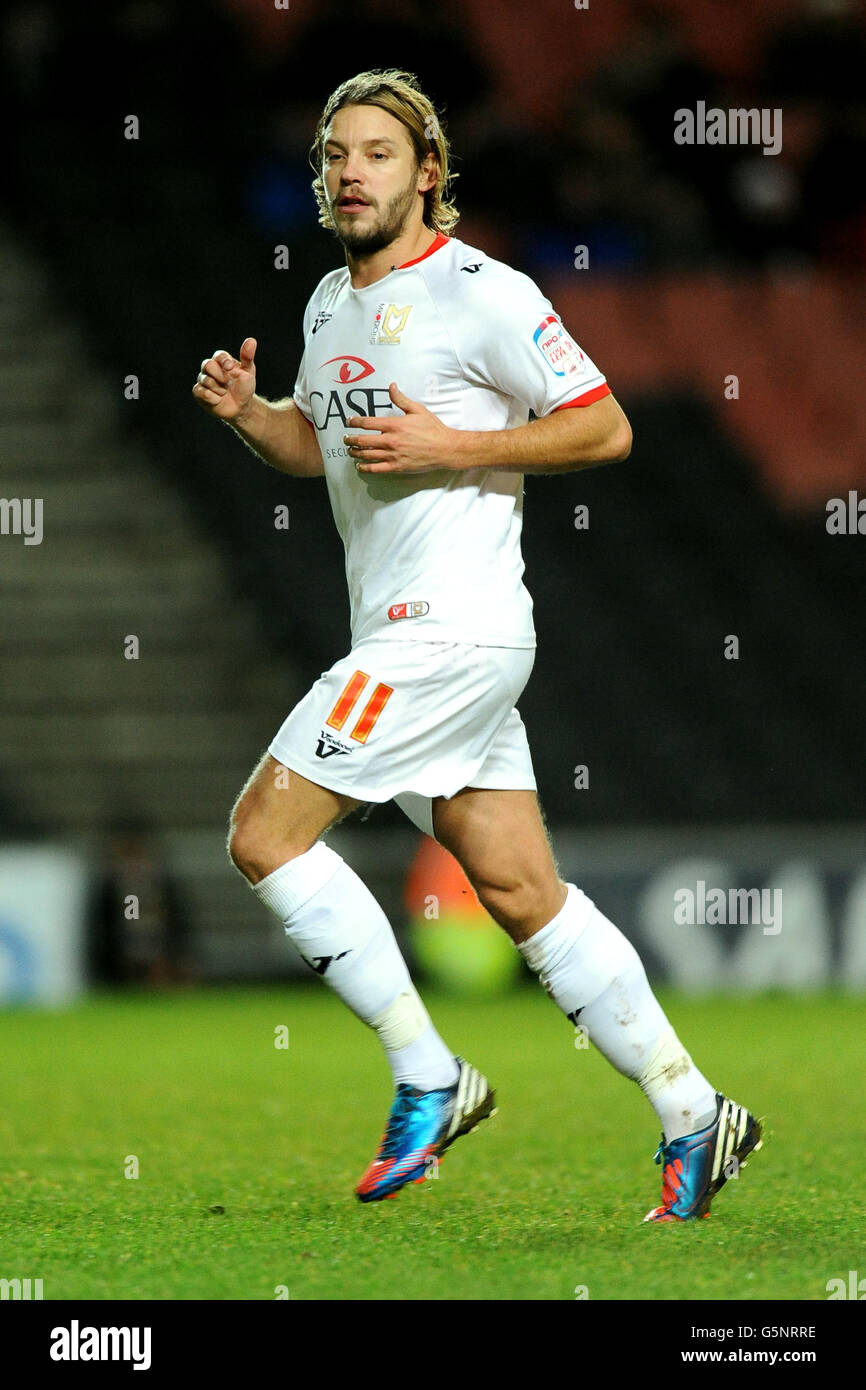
{"x": 603, "y": 169}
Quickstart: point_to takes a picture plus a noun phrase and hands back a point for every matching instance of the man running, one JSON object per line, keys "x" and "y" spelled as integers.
{"x": 423, "y": 359}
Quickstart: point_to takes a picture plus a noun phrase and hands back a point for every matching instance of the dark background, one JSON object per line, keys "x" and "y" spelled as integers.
{"x": 140, "y": 257}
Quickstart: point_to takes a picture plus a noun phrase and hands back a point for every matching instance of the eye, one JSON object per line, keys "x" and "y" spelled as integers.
{"x": 379, "y": 154}
{"x": 347, "y": 373}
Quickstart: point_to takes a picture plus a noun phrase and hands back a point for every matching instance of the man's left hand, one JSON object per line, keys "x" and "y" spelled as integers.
{"x": 414, "y": 442}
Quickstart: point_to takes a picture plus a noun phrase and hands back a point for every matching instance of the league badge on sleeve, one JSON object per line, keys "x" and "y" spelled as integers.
{"x": 559, "y": 351}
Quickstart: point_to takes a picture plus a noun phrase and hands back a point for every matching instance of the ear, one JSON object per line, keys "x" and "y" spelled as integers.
{"x": 428, "y": 173}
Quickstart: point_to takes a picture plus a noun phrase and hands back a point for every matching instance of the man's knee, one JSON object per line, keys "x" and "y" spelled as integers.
{"x": 253, "y": 847}
{"x": 274, "y": 820}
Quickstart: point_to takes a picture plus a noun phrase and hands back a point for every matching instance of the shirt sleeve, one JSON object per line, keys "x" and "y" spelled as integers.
{"x": 301, "y": 393}
{"x": 516, "y": 343}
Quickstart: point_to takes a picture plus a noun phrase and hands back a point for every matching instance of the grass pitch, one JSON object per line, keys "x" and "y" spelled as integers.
{"x": 247, "y": 1154}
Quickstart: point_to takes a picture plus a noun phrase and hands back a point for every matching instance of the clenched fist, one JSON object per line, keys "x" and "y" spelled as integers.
{"x": 225, "y": 386}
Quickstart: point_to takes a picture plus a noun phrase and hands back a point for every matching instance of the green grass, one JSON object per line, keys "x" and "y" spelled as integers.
{"x": 547, "y": 1196}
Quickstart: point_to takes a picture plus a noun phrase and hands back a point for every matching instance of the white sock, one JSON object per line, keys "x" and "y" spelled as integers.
{"x": 342, "y": 933}
{"x": 596, "y": 977}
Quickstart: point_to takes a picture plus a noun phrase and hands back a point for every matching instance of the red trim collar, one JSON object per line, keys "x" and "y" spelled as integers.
{"x": 435, "y": 245}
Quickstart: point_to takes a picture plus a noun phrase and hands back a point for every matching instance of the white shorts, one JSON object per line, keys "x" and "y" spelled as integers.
{"x": 412, "y": 721}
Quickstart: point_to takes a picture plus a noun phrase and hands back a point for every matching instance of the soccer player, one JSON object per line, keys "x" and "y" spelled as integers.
{"x": 423, "y": 358}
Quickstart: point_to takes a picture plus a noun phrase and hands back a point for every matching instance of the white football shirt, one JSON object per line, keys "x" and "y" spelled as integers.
{"x": 436, "y": 556}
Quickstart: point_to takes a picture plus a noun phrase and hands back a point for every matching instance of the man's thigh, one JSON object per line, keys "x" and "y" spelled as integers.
{"x": 499, "y": 839}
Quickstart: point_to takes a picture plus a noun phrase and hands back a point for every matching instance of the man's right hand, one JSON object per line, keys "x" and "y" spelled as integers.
{"x": 275, "y": 430}
{"x": 226, "y": 385}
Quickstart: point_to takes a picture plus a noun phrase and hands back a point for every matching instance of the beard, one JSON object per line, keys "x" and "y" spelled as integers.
{"x": 384, "y": 229}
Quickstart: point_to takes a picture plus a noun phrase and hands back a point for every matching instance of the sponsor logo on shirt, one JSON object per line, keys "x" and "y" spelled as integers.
{"x": 352, "y": 368}
{"x": 470, "y": 270}
{"x": 416, "y": 609}
{"x": 337, "y": 405}
{"x": 389, "y": 323}
{"x": 328, "y": 745}
{"x": 321, "y": 319}
{"x": 559, "y": 351}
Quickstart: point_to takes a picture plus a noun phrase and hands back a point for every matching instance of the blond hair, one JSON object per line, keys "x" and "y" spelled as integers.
{"x": 400, "y": 94}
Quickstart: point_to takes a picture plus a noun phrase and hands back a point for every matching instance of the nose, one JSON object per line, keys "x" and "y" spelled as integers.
{"x": 351, "y": 171}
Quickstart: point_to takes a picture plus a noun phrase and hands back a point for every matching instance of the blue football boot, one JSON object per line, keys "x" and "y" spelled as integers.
{"x": 698, "y": 1165}
{"x": 421, "y": 1126}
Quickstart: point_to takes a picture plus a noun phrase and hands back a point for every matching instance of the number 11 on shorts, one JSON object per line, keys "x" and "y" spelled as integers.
{"x": 349, "y": 697}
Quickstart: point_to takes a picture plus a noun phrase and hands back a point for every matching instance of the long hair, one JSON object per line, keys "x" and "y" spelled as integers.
{"x": 400, "y": 94}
